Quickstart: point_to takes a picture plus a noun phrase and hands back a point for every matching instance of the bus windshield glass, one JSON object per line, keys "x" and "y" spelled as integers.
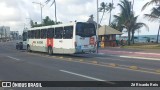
{"x": 85, "y": 29}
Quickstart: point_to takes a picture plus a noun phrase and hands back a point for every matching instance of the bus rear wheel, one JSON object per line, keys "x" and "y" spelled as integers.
{"x": 50, "y": 50}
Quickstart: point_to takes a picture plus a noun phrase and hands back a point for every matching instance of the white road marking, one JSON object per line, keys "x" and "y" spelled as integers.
{"x": 140, "y": 58}
{"x": 97, "y": 79}
{"x": 134, "y": 52}
{"x": 13, "y": 58}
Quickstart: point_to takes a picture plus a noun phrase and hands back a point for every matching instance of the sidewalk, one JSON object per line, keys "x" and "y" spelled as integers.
{"x": 146, "y": 53}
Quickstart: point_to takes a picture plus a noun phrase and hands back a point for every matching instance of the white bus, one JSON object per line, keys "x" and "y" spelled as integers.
{"x": 72, "y": 38}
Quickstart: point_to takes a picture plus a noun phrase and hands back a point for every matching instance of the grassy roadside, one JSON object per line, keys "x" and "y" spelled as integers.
{"x": 144, "y": 46}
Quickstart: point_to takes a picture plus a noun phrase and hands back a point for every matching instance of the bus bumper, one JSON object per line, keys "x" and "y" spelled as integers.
{"x": 85, "y": 50}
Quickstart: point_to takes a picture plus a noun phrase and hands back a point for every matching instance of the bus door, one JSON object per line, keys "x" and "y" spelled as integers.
{"x": 68, "y": 42}
{"x": 58, "y": 40}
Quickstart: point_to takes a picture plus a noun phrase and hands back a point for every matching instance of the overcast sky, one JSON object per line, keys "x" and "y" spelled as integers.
{"x": 16, "y": 13}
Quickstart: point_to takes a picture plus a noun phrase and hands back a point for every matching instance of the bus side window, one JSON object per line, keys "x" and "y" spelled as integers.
{"x": 37, "y": 34}
{"x": 32, "y": 34}
{"x": 29, "y": 34}
{"x": 50, "y": 33}
{"x": 68, "y": 32}
{"x": 43, "y": 33}
{"x": 58, "y": 33}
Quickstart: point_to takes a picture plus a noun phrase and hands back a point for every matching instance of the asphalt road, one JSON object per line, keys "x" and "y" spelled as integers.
{"x": 23, "y": 66}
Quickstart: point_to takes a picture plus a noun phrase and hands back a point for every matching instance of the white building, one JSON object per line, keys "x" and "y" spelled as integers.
{"x": 4, "y": 32}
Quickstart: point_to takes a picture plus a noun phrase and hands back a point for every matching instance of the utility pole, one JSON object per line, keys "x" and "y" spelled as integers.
{"x": 5, "y": 34}
{"x": 55, "y": 12}
{"x": 41, "y": 6}
{"x": 97, "y": 26}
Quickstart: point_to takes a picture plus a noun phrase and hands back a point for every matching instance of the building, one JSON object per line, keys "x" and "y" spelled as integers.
{"x": 14, "y": 35}
{"x": 4, "y": 33}
{"x": 107, "y": 36}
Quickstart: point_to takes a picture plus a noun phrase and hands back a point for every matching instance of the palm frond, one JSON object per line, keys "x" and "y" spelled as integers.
{"x": 47, "y": 1}
{"x": 156, "y": 11}
{"x": 144, "y": 7}
{"x": 53, "y": 1}
{"x": 139, "y": 25}
{"x": 151, "y": 17}
{"x": 156, "y": 2}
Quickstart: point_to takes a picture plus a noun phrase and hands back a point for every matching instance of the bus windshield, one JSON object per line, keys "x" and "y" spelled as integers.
{"x": 85, "y": 29}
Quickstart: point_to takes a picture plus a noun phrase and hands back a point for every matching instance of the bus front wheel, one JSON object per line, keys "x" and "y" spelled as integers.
{"x": 50, "y": 50}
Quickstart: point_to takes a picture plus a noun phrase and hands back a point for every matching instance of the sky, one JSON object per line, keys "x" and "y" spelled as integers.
{"x": 17, "y": 13}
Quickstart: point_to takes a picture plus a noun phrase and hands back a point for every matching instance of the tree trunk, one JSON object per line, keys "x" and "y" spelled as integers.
{"x": 102, "y": 17}
{"x": 132, "y": 37}
{"x": 158, "y": 34}
{"x": 129, "y": 37}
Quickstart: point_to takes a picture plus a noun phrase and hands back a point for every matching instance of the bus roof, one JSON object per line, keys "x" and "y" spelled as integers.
{"x": 51, "y": 26}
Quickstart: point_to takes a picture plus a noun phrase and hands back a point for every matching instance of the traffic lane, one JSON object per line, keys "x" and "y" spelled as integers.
{"x": 142, "y": 63}
{"x": 20, "y": 70}
{"x": 87, "y": 88}
{"x": 25, "y": 56}
{"x": 153, "y": 64}
{"x": 104, "y": 59}
{"x": 105, "y": 73}
{"x": 149, "y": 64}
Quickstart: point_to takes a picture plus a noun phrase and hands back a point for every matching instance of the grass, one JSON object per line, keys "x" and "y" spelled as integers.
{"x": 144, "y": 46}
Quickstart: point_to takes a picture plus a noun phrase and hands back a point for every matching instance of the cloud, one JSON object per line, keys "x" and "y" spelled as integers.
{"x": 14, "y": 12}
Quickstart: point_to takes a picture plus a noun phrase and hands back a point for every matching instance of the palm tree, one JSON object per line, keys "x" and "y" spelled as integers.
{"x": 135, "y": 26}
{"x": 53, "y": 2}
{"x": 127, "y": 15}
{"x": 118, "y": 21}
{"x": 110, "y": 8}
{"x": 155, "y": 13}
{"x": 103, "y": 8}
{"x": 126, "y": 19}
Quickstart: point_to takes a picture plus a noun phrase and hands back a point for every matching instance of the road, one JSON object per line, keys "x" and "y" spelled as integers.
{"x": 23, "y": 66}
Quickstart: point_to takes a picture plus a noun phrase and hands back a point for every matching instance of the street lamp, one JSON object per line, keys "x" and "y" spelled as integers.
{"x": 97, "y": 26}
{"x": 41, "y": 5}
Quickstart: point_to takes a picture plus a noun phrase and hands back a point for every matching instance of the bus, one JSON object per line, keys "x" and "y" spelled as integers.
{"x": 71, "y": 38}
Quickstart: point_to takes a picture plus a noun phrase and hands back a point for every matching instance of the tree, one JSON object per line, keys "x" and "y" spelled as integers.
{"x": 155, "y": 13}
{"x": 135, "y": 26}
{"x": 47, "y": 21}
{"x": 53, "y": 2}
{"x": 91, "y": 20}
{"x": 127, "y": 15}
{"x": 126, "y": 19}
{"x": 110, "y": 8}
{"x": 118, "y": 23}
{"x": 103, "y": 8}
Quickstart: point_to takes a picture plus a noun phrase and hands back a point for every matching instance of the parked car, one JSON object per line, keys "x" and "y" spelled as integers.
{"x": 19, "y": 46}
